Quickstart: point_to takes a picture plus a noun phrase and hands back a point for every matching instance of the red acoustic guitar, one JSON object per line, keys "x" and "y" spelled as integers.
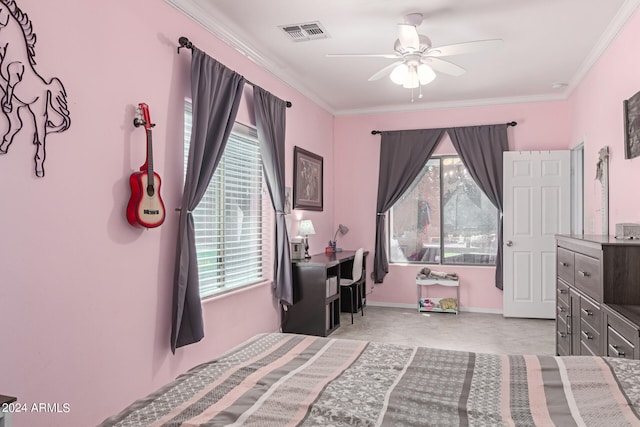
{"x": 145, "y": 208}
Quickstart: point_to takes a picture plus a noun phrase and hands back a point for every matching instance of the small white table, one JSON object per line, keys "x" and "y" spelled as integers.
{"x": 432, "y": 304}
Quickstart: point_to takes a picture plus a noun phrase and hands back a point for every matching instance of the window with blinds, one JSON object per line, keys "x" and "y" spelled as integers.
{"x": 229, "y": 221}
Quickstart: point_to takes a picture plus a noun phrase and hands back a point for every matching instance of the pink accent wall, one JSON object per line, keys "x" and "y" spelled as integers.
{"x": 541, "y": 126}
{"x": 597, "y": 120}
{"x": 85, "y": 299}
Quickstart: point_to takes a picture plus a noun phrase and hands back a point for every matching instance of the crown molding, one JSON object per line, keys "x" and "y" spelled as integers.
{"x": 216, "y": 27}
{"x": 615, "y": 26}
{"x": 444, "y": 105}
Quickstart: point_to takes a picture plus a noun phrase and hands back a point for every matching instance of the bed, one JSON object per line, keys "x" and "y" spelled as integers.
{"x": 286, "y": 379}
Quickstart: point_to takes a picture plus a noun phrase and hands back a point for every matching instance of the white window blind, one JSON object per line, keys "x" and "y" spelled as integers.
{"x": 229, "y": 219}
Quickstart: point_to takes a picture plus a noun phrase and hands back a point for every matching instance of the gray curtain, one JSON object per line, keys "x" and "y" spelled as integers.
{"x": 403, "y": 154}
{"x": 216, "y": 92}
{"x": 480, "y": 148}
{"x": 270, "y": 120}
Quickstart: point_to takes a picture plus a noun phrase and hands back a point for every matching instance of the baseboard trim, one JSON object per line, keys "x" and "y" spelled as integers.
{"x": 413, "y": 306}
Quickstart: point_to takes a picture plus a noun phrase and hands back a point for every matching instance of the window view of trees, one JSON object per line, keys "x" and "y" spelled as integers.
{"x": 444, "y": 218}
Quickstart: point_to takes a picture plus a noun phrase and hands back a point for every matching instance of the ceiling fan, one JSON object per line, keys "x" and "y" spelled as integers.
{"x": 417, "y": 59}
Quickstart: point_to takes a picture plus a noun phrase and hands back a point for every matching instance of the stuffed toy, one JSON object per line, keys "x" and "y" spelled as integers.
{"x": 449, "y": 304}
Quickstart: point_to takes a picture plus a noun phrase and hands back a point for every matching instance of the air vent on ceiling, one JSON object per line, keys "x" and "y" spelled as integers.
{"x": 305, "y": 32}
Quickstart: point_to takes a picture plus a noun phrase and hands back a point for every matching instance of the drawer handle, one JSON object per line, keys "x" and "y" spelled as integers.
{"x": 615, "y": 349}
{"x": 584, "y": 273}
{"x": 562, "y": 309}
{"x": 587, "y": 335}
{"x": 587, "y": 312}
{"x": 564, "y": 264}
{"x": 562, "y": 334}
{"x": 562, "y": 291}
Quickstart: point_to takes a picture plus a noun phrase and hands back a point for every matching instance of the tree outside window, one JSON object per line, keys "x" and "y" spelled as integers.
{"x": 444, "y": 218}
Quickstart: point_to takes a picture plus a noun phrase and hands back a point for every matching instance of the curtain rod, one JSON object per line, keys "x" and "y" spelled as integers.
{"x": 375, "y": 132}
{"x": 185, "y": 42}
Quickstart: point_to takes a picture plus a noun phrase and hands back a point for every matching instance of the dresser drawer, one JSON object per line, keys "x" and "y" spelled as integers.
{"x": 622, "y": 336}
{"x": 590, "y": 340}
{"x": 563, "y": 335}
{"x": 591, "y": 313}
{"x": 587, "y": 276}
{"x": 562, "y": 291}
{"x": 562, "y": 309}
{"x": 618, "y": 346}
{"x": 565, "y": 265}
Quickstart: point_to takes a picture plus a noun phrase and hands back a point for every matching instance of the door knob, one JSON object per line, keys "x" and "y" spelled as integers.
{"x": 509, "y": 243}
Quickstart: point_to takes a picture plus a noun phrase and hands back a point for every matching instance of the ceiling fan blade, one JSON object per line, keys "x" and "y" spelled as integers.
{"x": 466, "y": 47}
{"x": 444, "y": 67}
{"x": 383, "y": 72}
{"x": 408, "y": 36}
{"x": 362, "y": 55}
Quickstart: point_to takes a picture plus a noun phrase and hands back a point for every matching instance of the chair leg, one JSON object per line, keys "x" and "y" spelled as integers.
{"x": 361, "y": 299}
{"x": 351, "y": 302}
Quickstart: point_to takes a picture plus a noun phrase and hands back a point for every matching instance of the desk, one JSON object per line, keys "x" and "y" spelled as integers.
{"x": 5, "y": 412}
{"x": 316, "y": 293}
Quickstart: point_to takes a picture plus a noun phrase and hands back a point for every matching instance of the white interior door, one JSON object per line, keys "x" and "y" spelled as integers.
{"x": 537, "y": 206}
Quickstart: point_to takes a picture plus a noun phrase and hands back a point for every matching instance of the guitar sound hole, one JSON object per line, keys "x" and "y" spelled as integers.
{"x": 150, "y": 190}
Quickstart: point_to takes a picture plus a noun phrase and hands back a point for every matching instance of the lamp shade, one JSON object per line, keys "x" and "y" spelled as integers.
{"x": 412, "y": 75}
{"x": 342, "y": 229}
{"x": 425, "y": 74}
{"x": 411, "y": 81}
{"x": 399, "y": 74}
{"x": 306, "y": 227}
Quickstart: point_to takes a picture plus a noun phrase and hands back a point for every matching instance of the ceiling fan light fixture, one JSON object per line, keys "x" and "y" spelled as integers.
{"x": 412, "y": 80}
{"x": 399, "y": 74}
{"x": 425, "y": 74}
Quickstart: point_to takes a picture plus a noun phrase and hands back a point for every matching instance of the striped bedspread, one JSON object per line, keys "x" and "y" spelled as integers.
{"x": 286, "y": 379}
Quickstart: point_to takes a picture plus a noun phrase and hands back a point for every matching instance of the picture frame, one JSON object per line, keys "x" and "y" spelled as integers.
{"x": 307, "y": 180}
{"x": 632, "y": 127}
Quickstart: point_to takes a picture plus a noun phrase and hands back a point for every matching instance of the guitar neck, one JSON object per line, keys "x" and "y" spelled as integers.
{"x": 149, "y": 157}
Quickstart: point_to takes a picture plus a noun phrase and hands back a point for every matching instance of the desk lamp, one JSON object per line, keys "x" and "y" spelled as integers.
{"x": 342, "y": 229}
{"x": 306, "y": 228}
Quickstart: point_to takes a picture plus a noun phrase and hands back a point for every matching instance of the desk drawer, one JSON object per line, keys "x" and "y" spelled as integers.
{"x": 587, "y": 276}
{"x": 565, "y": 265}
{"x": 591, "y": 313}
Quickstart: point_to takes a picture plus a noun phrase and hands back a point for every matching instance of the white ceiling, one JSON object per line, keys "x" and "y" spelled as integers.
{"x": 545, "y": 42}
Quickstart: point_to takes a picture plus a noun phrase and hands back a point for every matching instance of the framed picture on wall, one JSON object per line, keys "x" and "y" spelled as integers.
{"x": 632, "y": 127}
{"x": 307, "y": 180}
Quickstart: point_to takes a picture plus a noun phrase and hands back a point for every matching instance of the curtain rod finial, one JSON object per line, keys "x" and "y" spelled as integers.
{"x": 184, "y": 42}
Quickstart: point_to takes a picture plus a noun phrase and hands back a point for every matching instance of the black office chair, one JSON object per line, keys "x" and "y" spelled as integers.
{"x": 356, "y": 281}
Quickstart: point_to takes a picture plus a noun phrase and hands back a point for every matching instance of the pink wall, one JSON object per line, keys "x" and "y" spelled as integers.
{"x": 85, "y": 299}
{"x": 597, "y": 120}
{"x": 541, "y": 126}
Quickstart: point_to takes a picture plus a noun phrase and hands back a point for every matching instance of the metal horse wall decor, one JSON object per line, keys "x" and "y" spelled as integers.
{"x": 23, "y": 87}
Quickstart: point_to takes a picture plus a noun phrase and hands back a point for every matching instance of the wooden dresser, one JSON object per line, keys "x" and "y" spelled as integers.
{"x": 598, "y": 296}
